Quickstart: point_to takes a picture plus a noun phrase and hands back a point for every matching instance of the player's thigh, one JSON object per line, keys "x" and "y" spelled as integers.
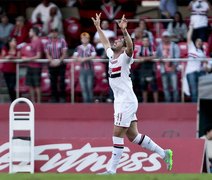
{"x": 125, "y": 113}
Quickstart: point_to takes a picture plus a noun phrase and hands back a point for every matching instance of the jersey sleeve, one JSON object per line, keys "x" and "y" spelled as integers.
{"x": 128, "y": 59}
{"x": 110, "y": 53}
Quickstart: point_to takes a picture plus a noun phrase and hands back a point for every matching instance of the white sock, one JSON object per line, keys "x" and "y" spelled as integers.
{"x": 147, "y": 143}
{"x": 118, "y": 148}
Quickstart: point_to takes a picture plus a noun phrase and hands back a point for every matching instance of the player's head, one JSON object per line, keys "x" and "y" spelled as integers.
{"x": 119, "y": 44}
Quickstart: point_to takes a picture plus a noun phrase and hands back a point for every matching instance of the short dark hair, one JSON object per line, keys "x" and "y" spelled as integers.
{"x": 35, "y": 30}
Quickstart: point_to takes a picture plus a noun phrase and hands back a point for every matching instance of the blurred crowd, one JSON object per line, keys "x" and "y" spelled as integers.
{"x": 48, "y": 35}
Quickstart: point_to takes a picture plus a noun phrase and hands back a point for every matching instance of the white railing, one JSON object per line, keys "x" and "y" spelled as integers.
{"x": 72, "y": 80}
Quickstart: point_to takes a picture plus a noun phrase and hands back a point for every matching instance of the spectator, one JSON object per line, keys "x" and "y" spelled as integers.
{"x": 34, "y": 51}
{"x": 177, "y": 28}
{"x": 44, "y": 10}
{"x": 56, "y": 51}
{"x": 199, "y": 19}
{"x": 53, "y": 22}
{"x": 10, "y": 52}
{"x": 20, "y": 31}
{"x": 137, "y": 39}
{"x": 108, "y": 33}
{"x": 168, "y": 9}
{"x": 144, "y": 31}
{"x": 168, "y": 49}
{"x": 147, "y": 69}
{"x": 84, "y": 54}
{"x": 208, "y": 139}
{"x": 5, "y": 30}
{"x": 194, "y": 68}
{"x": 39, "y": 24}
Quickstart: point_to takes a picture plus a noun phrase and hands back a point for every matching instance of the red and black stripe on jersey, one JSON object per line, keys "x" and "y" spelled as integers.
{"x": 115, "y": 72}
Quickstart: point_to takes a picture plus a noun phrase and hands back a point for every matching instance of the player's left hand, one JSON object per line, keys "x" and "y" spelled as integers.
{"x": 123, "y": 23}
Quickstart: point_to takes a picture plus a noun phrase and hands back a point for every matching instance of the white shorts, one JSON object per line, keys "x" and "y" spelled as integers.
{"x": 125, "y": 113}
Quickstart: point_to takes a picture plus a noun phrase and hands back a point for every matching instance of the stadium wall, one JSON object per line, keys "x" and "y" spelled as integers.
{"x": 77, "y": 138}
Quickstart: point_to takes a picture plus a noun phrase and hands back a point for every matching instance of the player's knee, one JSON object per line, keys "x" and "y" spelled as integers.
{"x": 131, "y": 137}
{"x": 119, "y": 131}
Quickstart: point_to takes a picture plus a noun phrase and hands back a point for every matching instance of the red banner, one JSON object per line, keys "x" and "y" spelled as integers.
{"x": 91, "y": 155}
{"x": 66, "y": 138}
{"x": 96, "y": 120}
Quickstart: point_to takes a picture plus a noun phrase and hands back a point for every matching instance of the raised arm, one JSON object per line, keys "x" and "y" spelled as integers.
{"x": 189, "y": 34}
{"x": 102, "y": 37}
{"x": 123, "y": 25}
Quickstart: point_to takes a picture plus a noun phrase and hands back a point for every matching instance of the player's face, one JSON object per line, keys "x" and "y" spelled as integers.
{"x": 118, "y": 44}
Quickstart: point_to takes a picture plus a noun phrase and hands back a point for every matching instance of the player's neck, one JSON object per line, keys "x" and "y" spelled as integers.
{"x": 117, "y": 53}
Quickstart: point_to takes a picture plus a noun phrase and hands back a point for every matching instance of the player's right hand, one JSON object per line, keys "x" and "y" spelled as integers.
{"x": 97, "y": 20}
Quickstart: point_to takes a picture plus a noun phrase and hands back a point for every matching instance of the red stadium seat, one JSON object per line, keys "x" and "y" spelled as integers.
{"x": 24, "y": 51}
{"x": 72, "y": 30}
{"x": 23, "y": 88}
{"x": 45, "y": 81}
{"x": 183, "y": 49}
{"x": 101, "y": 83}
{"x": 101, "y": 86}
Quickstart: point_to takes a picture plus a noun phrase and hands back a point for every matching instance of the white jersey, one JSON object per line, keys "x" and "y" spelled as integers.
{"x": 125, "y": 101}
{"x": 119, "y": 77}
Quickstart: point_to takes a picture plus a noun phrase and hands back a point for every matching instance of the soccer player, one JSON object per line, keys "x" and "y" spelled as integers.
{"x": 125, "y": 101}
